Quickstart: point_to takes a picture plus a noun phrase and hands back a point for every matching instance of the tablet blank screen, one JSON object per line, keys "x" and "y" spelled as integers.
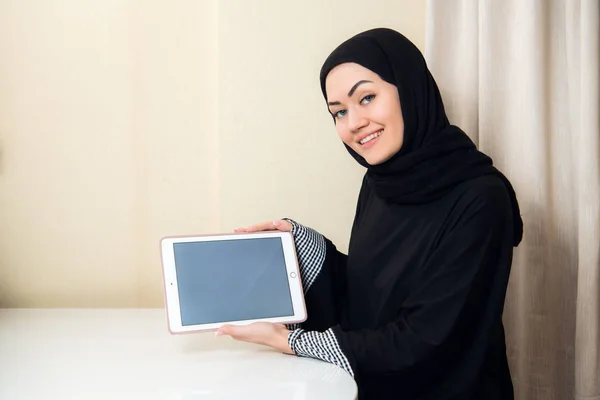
{"x": 232, "y": 280}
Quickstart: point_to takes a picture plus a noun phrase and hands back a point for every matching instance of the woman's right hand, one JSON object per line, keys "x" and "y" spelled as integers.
{"x": 277, "y": 225}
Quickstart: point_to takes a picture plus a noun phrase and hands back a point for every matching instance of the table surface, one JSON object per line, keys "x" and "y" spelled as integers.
{"x": 129, "y": 354}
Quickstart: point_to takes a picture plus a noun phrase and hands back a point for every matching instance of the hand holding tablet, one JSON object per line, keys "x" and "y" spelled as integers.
{"x": 240, "y": 278}
{"x": 281, "y": 225}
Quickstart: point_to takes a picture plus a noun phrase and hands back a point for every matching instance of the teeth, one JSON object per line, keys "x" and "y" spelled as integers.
{"x": 371, "y": 137}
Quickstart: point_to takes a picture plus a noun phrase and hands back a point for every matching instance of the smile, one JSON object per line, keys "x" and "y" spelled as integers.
{"x": 371, "y": 137}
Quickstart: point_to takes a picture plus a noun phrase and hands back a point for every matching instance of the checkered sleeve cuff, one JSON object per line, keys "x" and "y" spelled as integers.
{"x": 319, "y": 345}
{"x": 310, "y": 248}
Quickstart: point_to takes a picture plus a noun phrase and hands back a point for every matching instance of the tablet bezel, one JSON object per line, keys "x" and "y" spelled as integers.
{"x": 171, "y": 290}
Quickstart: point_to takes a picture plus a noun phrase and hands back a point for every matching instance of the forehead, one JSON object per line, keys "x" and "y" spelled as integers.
{"x": 342, "y": 77}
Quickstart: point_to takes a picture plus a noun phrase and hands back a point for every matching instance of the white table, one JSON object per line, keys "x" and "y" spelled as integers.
{"x": 129, "y": 354}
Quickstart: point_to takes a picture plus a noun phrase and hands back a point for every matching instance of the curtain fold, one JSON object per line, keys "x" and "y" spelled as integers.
{"x": 522, "y": 78}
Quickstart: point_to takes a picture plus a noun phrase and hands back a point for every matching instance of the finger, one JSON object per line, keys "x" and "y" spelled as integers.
{"x": 234, "y": 331}
{"x": 252, "y": 228}
{"x": 277, "y": 224}
{"x": 263, "y": 226}
{"x": 225, "y": 330}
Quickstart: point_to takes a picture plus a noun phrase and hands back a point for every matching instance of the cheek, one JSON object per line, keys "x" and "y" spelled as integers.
{"x": 394, "y": 123}
{"x": 344, "y": 133}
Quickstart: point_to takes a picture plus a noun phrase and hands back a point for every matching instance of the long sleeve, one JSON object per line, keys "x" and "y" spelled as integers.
{"x": 321, "y": 269}
{"x": 457, "y": 301}
{"x": 315, "y": 253}
{"x": 323, "y": 346}
{"x": 310, "y": 249}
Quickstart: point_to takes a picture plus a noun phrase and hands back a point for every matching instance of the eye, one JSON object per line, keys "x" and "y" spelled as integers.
{"x": 367, "y": 99}
{"x": 339, "y": 114}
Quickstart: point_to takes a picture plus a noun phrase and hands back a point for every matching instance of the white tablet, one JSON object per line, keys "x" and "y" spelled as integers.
{"x": 236, "y": 278}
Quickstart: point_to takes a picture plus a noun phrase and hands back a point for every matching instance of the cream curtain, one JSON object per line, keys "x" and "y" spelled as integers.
{"x": 522, "y": 78}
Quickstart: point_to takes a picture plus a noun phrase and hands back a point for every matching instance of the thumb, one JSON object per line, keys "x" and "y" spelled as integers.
{"x": 282, "y": 225}
{"x": 226, "y": 330}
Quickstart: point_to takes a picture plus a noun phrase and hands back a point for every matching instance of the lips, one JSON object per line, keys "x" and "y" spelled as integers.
{"x": 370, "y": 137}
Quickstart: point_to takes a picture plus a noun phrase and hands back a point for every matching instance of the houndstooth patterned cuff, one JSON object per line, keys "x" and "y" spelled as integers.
{"x": 310, "y": 248}
{"x": 319, "y": 345}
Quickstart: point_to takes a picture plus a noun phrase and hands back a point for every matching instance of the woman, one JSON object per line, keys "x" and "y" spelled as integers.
{"x": 414, "y": 311}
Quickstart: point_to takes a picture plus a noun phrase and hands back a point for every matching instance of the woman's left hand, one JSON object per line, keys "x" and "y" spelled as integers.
{"x": 265, "y": 333}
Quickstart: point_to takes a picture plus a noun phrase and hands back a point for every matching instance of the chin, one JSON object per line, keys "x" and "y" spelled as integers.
{"x": 376, "y": 160}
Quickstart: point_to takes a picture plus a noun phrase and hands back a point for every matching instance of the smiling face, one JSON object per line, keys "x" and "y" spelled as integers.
{"x": 367, "y": 112}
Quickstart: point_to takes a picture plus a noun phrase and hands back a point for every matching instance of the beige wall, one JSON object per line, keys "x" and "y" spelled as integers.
{"x": 125, "y": 121}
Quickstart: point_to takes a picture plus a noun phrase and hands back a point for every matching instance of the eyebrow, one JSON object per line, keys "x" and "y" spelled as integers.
{"x": 351, "y": 92}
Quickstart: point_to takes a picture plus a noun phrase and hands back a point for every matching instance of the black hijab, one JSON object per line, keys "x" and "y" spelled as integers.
{"x": 435, "y": 156}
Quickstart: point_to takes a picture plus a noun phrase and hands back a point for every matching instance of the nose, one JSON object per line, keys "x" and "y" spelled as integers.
{"x": 356, "y": 121}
